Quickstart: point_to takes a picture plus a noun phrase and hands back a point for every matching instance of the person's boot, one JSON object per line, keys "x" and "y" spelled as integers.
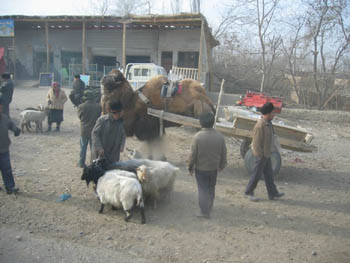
{"x": 12, "y": 190}
{"x": 57, "y": 128}
{"x": 48, "y": 128}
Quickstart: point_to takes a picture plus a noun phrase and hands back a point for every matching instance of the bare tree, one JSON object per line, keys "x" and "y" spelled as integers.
{"x": 121, "y": 7}
{"x": 329, "y": 32}
{"x": 195, "y": 6}
{"x": 101, "y": 7}
{"x": 291, "y": 46}
{"x": 256, "y": 17}
{"x": 265, "y": 10}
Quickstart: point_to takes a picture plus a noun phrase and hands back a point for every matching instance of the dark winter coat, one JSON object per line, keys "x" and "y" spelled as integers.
{"x": 7, "y": 91}
{"x": 76, "y": 96}
{"x": 109, "y": 135}
{"x": 5, "y": 125}
{"x": 88, "y": 113}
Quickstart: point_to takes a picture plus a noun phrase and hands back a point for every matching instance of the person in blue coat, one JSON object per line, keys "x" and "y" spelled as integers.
{"x": 5, "y": 162}
{"x": 6, "y": 92}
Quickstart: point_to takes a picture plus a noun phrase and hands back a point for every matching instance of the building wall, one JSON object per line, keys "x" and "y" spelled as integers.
{"x": 178, "y": 40}
{"x": 147, "y": 42}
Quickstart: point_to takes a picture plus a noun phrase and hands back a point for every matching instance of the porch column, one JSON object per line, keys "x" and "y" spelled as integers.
{"x": 124, "y": 46}
{"x": 14, "y": 57}
{"x": 200, "y": 52}
{"x": 83, "y": 48}
{"x": 47, "y": 47}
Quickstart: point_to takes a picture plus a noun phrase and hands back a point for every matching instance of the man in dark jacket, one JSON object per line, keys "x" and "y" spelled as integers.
{"x": 6, "y": 92}
{"x": 108, "y": 135}
{"x": 76, "y": 96}
{"x": 88, "y": 113}
{"x": 207, "y": 158}
{"x": 5, "y": 162}
{"x": 262, "y": 143}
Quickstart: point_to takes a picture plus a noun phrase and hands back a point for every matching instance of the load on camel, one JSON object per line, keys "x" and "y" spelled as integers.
{"x": 188, "y": 99}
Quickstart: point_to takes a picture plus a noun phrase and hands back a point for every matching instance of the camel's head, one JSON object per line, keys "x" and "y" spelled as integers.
{"x": 113, "y": 80}
{"x": 116, "y": 87}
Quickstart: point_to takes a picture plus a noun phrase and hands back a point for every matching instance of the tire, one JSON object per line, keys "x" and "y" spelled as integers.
{"x": 276, "y": 162}
{"x": 245, "y": 147}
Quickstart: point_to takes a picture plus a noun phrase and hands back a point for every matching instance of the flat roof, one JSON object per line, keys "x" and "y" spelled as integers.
{"x": 167, "y": 22}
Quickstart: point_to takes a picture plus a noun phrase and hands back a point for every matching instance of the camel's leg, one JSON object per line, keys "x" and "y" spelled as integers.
{"x": 156, "y": 149}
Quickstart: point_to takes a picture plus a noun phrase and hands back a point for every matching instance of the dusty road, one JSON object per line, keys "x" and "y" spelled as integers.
{"x": 310, "y": 224}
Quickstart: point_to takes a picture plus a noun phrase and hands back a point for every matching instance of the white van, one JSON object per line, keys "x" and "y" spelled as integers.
{"x": 139, "y": 73}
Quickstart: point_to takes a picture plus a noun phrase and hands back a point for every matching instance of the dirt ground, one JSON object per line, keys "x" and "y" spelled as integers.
{"x": 310, "y": 224}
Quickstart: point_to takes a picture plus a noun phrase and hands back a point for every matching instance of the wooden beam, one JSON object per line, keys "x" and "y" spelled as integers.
{"x": 200, "y": 60}
{"x": 334, "y": 93}
{"x": 47, "y": 47}
{"x": 188, "y": 121}
{"x": 148, "y": 20}
{"x": 230, "y": 130}
{"x": 219, "y": 101}
{"x": 83, "y": 46}
{"x": 124, "y": 44}
{"x": 14, "y": 57}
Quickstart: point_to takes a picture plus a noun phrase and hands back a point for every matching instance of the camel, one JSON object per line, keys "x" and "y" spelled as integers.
{"x": 192, "y": 101}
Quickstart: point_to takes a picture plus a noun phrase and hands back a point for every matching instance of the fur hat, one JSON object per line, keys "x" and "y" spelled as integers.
{"x": 6, "y": 75}
{"x": 267, "y": 108}
{"x": 77, "y": 76}
{"x": 89, "y": 95}
{"x": 115, "y": 106}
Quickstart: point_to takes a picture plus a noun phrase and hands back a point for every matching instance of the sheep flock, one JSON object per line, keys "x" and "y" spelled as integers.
{"x": 128, "y": 184}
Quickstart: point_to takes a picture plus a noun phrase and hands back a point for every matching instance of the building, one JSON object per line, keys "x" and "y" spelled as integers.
{"x": 60, "y": 44}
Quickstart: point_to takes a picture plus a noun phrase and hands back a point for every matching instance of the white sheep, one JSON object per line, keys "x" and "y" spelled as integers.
{"x": 160, "y": 178}
{"x": 156, "y": 177}
{"x": 33, "y": 115}
{"x": 121, "y": 189}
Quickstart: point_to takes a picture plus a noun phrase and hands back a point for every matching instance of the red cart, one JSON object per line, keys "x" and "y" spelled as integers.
{"x": 258, "y": 99}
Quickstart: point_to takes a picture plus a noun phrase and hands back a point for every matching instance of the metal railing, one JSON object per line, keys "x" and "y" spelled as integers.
{"x": 185, "y": 73}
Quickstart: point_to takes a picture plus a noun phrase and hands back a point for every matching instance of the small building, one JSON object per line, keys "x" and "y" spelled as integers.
{"x": 92, "y": 45}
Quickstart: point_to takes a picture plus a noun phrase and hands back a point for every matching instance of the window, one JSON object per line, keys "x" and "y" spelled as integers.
{"x": 167, "y": 60}
{"x": 144, "y": 72}
{"x": 188, "y": 59}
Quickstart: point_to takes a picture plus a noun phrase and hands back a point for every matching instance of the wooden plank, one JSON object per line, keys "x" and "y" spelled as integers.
{"x": 281, "y": 131}
{"x": 188, "y": 121}
{"x": 219, "y": 101}
{"x": 229, "y": 130}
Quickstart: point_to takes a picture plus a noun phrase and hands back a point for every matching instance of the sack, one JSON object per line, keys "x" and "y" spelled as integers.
{"x": 276, "y": 146}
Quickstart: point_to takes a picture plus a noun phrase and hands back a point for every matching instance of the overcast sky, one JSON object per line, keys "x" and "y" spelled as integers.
{"x": 211, "y": 9}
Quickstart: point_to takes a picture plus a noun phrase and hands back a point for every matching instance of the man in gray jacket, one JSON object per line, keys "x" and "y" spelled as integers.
{"x": 108, "y": 135}
{"x": 207, "y": 158}
{"x": 5, "y": 162}
{"x": 88, "y": 112}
